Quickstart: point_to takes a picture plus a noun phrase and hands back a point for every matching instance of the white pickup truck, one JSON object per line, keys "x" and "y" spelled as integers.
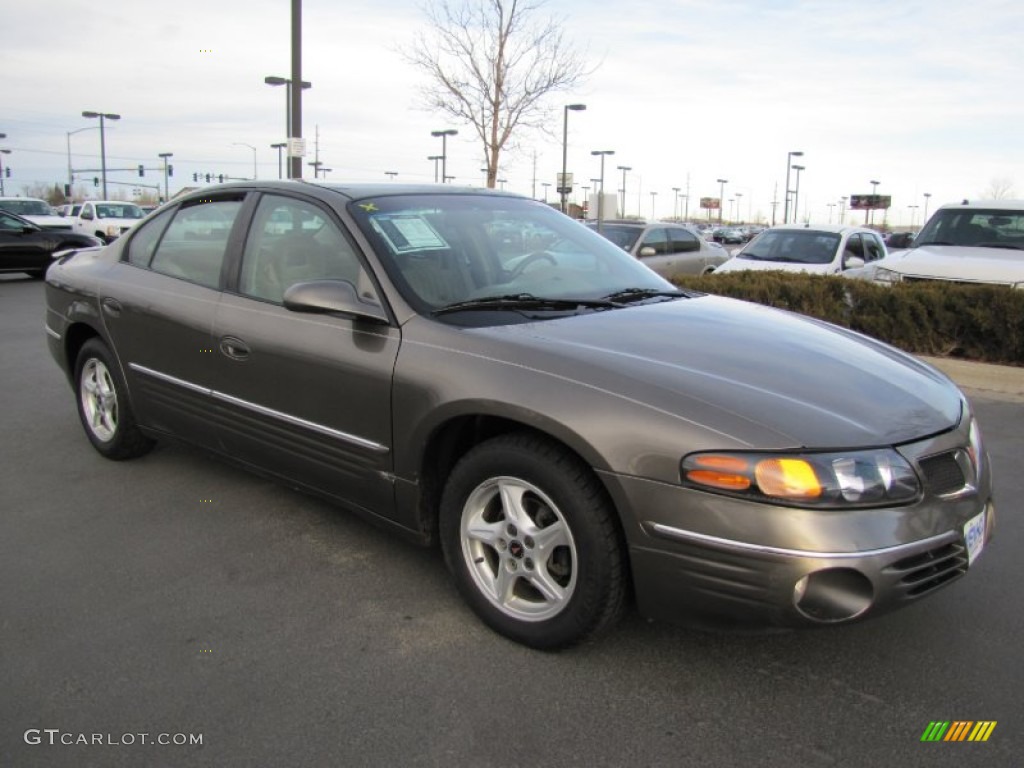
{"x": 105, "y": 219}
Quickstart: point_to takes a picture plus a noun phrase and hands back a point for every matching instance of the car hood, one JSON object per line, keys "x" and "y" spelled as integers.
{"x": 49, "y": 222}
{"x": 960, "y": 262}
{"x": 737, "y": 264}
{"x": 754, "y": 375}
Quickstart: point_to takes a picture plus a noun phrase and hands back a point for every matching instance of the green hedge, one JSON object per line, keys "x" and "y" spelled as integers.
{"x": 973, "y": 322}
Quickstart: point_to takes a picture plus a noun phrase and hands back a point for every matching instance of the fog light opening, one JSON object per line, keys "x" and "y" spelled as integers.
{"x": 835, "y": 594}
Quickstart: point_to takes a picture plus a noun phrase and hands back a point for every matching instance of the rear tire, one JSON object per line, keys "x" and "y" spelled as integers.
{"x": 532, "y": 542}
{"x": 103, "y": 405}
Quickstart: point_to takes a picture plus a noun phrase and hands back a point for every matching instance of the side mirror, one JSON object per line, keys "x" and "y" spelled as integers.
{"x": 331, "y": 297}
{"x": 647, "y": 251}
{"x": 853, "y": 262}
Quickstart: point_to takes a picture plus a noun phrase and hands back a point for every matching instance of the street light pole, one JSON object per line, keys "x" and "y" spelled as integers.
{"x": 789, "y": 160}
{"x": 279, "y": 146}
{"x": 563, "y": 188}
{"x": 71, "y": 173}
{"x": 924, "y": 218}
{"x": 796, "y": 195}
{"x": 624, "y": 168}
{"x": 842, "y": 209}
{"x": 675, "y": 202}
{"x": 739, "y": 207}
{"x": 444, "y": 134}
{"x": 869, "y": 214}
{"x": 167, "y": 192}
{"x": 392, "y": 175}
{"x": 287, "y": 83}
{"x": 2, "y": 153}
{"x": 653, "y": 195}
{"x": 600, "y": 195}
{"x": 435, "y": 158}
{"x": 103, "y": 143}
{"x": 721, "y": 198}
{"x": 250, "y": 146}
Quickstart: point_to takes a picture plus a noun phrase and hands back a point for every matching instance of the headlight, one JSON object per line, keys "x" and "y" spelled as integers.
{"x": 883, "y": 275}
{"x": 827, "y": 480}
{"x": 113, "y": 230}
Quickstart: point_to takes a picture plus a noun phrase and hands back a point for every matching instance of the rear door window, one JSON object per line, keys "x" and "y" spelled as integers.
{"x": 195, "y": 243}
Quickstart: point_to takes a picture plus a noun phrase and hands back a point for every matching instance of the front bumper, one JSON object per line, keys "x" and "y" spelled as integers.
{"x": 701, "y": 558}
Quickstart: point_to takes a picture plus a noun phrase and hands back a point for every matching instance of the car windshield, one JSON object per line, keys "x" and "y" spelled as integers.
{"x": 622, "y": 235}
{"x": 443, "y": 250}
{"x": 118, "y": 211}
{"x": 977, "y": 227}
{"x": 26, "y": 207}
{"x": 793, "y": 246}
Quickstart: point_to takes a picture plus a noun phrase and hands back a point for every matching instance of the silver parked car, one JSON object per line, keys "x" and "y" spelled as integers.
{"x": 671, "y": 250}
{"x": 969, "y": 242}
{"x": 473, "y": 368}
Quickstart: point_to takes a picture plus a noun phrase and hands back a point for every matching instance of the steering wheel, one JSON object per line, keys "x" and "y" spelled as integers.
{"x": 518, "y": 269}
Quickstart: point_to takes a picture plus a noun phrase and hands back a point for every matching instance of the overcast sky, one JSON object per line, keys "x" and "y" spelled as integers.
{"x": 921, "y": 96}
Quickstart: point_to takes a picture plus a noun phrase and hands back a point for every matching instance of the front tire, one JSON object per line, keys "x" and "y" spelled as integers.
{"x": 103, "y": 405}
{"x": 531, "y": 539}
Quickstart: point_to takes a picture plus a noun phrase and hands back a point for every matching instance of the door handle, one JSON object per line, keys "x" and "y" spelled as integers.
{"x": 234, "y": 348}
{"x": 111, "y": 306}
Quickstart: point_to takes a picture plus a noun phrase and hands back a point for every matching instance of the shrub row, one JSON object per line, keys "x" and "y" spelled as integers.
{"x": 973, "y": 322}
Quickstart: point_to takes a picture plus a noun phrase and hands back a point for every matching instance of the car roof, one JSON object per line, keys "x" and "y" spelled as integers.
{"x": 353, "y": 191}
{"x": 837, "y": 229}
{"x": 1000, "y": 205}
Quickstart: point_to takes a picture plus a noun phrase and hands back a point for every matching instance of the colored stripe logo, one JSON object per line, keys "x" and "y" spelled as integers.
{"x": 958, "y": 730}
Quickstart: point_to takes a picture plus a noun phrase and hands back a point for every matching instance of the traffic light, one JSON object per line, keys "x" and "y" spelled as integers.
{"x": 7, "y": 171}
{"x": 207, "y": 178}
{"x": 95, "y": 181}
{"x": 220, "y": 178}
{"x": 195, "y": 177}
{"x": 170, "y": 170}
{"x": 142, "y": 171}
{"x": 67, "y": 190}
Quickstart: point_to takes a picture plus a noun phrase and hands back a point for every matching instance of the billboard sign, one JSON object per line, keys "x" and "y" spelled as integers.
{"x": 870, "y": 202}
{"x": 712, "y": 203}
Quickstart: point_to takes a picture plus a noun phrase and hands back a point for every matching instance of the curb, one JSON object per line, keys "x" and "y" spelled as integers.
{"x": 997, "y": 382}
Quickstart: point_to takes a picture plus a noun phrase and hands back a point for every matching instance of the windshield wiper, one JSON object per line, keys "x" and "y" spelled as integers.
{"x": 639, "y": 294}
{"x": 999, "y": 245}
{"x": 516, "y": 301}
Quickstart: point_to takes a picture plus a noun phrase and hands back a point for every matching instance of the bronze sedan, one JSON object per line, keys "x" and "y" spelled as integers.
{"x": 473, "y": 368}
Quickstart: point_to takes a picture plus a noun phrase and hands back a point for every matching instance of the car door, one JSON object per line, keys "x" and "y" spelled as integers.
{"x": 852, "y": 249}
{"x": 158, "y": 307}
{"x": 20, "y": 249}
{"x": 306, "y": 396}
{"x": 685, "y": 254}
{"x": 653, "y": 251}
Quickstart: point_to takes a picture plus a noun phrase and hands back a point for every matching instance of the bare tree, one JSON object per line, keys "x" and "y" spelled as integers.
{"x": 490, "y": 63}
{"x": 1000, "y": 188}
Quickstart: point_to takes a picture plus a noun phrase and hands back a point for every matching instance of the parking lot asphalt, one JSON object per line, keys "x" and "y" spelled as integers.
{"x": 179, "y": 595}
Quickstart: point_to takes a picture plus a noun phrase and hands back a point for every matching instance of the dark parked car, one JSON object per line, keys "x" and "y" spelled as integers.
{"x": 729, "y": 235}
{"x": 573, "y": 430}
{"x": 27, "y": 247}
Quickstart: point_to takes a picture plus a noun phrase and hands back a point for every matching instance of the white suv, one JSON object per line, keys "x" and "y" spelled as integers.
{"x": 106, "y": 219}
{"x": 968, "y": 242}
